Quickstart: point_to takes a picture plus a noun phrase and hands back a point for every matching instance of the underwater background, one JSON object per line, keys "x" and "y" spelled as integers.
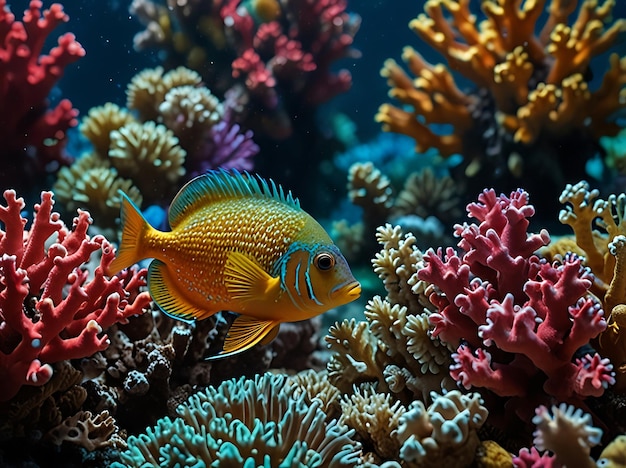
{"x": 467, "y": 157}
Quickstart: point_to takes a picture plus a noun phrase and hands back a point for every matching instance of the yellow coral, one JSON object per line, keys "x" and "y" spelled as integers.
{"x": 147, "y": 89}
{"x": 90, "y": 184}
{"x": 100, "y": 122}
{"x": 145, "y": 92}
{"x": 267, "y": 10}
{"x": 150, "y": 155}
{"x": 491, "y": 455}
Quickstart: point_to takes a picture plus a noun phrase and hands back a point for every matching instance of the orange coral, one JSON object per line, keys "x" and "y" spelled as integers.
{"x": 530, "y": 72}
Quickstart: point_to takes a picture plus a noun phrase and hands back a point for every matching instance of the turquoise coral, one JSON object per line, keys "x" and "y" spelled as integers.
{"x": 265, "y": 421}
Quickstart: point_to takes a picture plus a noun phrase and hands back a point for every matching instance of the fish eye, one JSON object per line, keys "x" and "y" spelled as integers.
{"x": 324, "y": 261}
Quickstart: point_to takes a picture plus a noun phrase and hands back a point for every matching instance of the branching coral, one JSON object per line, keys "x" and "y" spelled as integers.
{"x": 600, "y": 230}
{"x": 51, "y": 307}
{"x": 26, "y": 79}
{"x": 89, "y": 431}
{"x": 393, "y": 347}
{"x": 532, "y": 109}
{"x": 278, "y": 55}
{"x": 241, "y": 422}
{"x": 423, "y": 204}
{"x": 514, "y": 317}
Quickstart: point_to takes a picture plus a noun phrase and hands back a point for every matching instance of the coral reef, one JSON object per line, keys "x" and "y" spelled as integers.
{"x": 516, "y": 321}
{"x": 52, "y": 308}
{"x": 173, "y": 129}
{"x": 274, "y": 62}
{"x": 531, "y": 114}
{"x": 260, "y": 422}
{"x": 277, "y": 57}
{"x": 424, "y": 206}
{"x": 566, "y": 436}
{"x": 600, "y": 233}
{"x": 392, "y": 348}
{"x": 33, "y": 134}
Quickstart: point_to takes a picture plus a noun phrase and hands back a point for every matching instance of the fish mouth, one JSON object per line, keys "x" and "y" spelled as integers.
{"x": 349, "y": 291}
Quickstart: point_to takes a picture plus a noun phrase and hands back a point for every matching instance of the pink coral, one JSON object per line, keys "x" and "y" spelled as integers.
{"x": 26, "y": 79}
{"x": 52, "y": 307}
{"x": 512, "y": 315}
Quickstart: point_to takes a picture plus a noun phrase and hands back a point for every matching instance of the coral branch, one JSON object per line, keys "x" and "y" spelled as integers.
{"x": 51, "y": 308}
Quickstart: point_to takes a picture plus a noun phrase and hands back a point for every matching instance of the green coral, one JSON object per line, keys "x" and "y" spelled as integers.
{"x": 265, "y": 421}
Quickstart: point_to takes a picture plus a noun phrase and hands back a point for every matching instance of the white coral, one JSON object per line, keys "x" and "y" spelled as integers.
{"x": 568, "y": 433}
{"x": 445, "y": 433}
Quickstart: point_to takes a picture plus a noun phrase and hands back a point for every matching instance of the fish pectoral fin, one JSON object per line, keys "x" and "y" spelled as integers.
{"x": 244, "y": 333}
{"x": 271, "y": 335}
{"x": 245, "y": 279}
{"x": 168, "y": 297}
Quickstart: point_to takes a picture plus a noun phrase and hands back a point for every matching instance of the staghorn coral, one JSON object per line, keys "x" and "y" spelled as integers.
{"x": 246, "y": 421}
{"x": 531, "y": 112}
{"x": 600, "y": 232}
{"x": 51, "y": 307}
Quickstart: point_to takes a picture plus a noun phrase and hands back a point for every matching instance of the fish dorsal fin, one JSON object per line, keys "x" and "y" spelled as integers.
{"x": 166, "y": 295}
{"x": 244, "y": 333}
{"x": 246, "y": 280}
{"x": 220, "y": 185}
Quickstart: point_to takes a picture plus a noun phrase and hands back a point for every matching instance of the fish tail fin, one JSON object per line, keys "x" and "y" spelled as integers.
{"x": 134, "y": 227}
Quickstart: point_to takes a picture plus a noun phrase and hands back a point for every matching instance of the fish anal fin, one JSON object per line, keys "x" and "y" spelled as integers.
{"x": 244, "y": 333}
{"x": 168, "y": 297}
{"x": 246, "y": 280}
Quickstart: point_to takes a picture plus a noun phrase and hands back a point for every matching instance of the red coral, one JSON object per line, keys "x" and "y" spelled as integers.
{"x": 286, "y": 63}
{"x": 52, "y": 307}
{"x": 531, "y": 315}
{"x": 26, "y": 79}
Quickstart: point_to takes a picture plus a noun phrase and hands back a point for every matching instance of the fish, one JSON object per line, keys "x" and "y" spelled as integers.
{"x": 237, "y": 242}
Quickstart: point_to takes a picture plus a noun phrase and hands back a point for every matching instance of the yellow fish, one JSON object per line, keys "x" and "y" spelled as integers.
{"x": 237, "y": 243}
